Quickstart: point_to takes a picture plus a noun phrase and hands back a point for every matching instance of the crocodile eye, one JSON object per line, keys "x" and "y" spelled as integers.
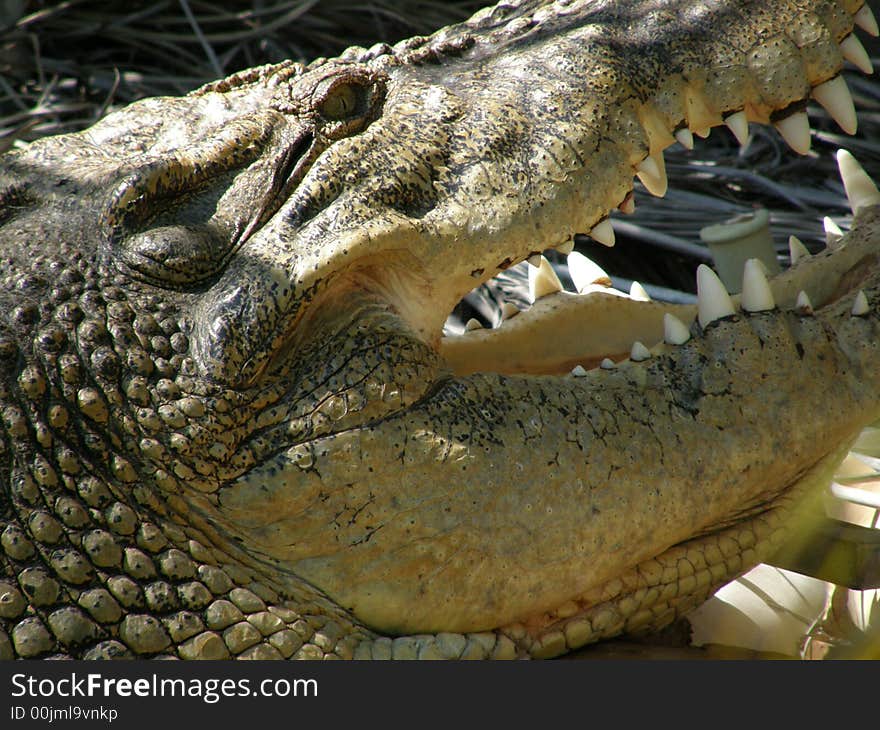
{"x": 175, "y": 220}
{"x": 342, "y": 102}
{"x": 346, "y": 104}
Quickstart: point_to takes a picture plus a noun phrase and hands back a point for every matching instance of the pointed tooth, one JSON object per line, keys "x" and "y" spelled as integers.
{"x": 866, "y": 21}
{"x": 473, "y": 324}
{"x": 703, "y": 132}
{"x": 795, "y": 130}
{"x": 756, "y": 294}
{"x": 796, "y": 250}
{"x": 860, "y": 306}
{"x": 652, "y": 173}
{"x": 854, "y": 52}
{"x": 639, "y": 352}
{"x": 584, "y": 272}
{"x": 664, "y": 181}
{"x": 578, "y": 371}
{"x": 608, "y": 364}
{"x": 739, "y": 125}
{"x": 835, "y": 98}
{"x": 566, "y": 247}
{"x": 637, "y": 292}
{"x": 685, "y": 138}
{"x": 508, "y": 310}
{"x": 833, "y": 234}
{"x": 648, "y": 166}
{"x": 543, "y": 281}
{"x": 674, "y": 330}
{"x": 713, "y": 301}
{"x": 803, "y": 303}
{"x": 535, "y": 260}
{"x": 603, "y": 233}
{"x": 861, "y": 191}
{"x": 628, "y": 206}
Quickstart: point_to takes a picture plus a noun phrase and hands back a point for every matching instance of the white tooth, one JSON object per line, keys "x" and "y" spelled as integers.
{"x": 628, "y": 206}
{"x": 608, "y": 364}
{"x": 866, "y": 21}
{"x": 756, "y": 294}
{"x": 860, "y": 306}
{"x": 832, "y": 231}
{"x": 835, "y": 98}
{"x": 637, "y": 292}
{"x": 578, "y": 371}
{"x": 639, "y": 352}
{"x": 795, "y": 130}
{"x": 861, "y": 191}
{"x": 739, "y": 125}
{"x": 584, "y": 272}
{"x": 713, "y": 301}
{"x": 566, "y": 247}
{"x": 508, "y": 310}
{"x": 796, "y": 250}
{"x": 652, "y": 173}
{"x": 803, "y": 303}
{"x": 648, "y": 166}
{"x": 535, "y": 260}
{"x": 685, "y": 138}
{"x": 543, "y": 281}
{"x": 473, "y": 324}
{"x": 854, "y": 52}
{"x": 674, "y": 330}
{"x": 603, "y": 233}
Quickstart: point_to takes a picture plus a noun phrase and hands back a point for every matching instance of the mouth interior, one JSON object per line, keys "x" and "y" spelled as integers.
{"x": 576, "y": 325}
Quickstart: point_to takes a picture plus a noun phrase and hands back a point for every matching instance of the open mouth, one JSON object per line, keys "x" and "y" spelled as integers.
{"x": 593, "y": 325}
{"x": 595, "y": 329}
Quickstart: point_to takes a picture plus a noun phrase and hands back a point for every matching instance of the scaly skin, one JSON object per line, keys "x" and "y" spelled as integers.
{"x": 230, "y": 426}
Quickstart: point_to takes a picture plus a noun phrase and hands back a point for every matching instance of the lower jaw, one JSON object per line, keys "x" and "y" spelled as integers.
{"x": 656, "y": 592}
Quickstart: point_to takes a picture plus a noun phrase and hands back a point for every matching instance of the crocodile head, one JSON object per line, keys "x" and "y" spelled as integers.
{"x": 222, "y": 352}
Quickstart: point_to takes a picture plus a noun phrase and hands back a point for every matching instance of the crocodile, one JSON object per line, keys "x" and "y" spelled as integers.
{"x": 231, "y": 426}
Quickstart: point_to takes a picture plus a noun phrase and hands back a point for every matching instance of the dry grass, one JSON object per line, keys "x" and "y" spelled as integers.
{"x": 63, "y": 64}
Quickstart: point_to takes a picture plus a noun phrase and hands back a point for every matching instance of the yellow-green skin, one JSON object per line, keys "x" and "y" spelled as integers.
{"x": 229, "y": 428}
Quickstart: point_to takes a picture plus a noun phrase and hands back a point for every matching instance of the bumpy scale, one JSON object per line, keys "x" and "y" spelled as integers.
{"x": 230, "y": 424}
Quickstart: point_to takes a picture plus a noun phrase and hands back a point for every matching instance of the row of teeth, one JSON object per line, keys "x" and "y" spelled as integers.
{"x": 713, "y": 301}
{"x": 861, "y": 192}
{"x": 833, "y": 95}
